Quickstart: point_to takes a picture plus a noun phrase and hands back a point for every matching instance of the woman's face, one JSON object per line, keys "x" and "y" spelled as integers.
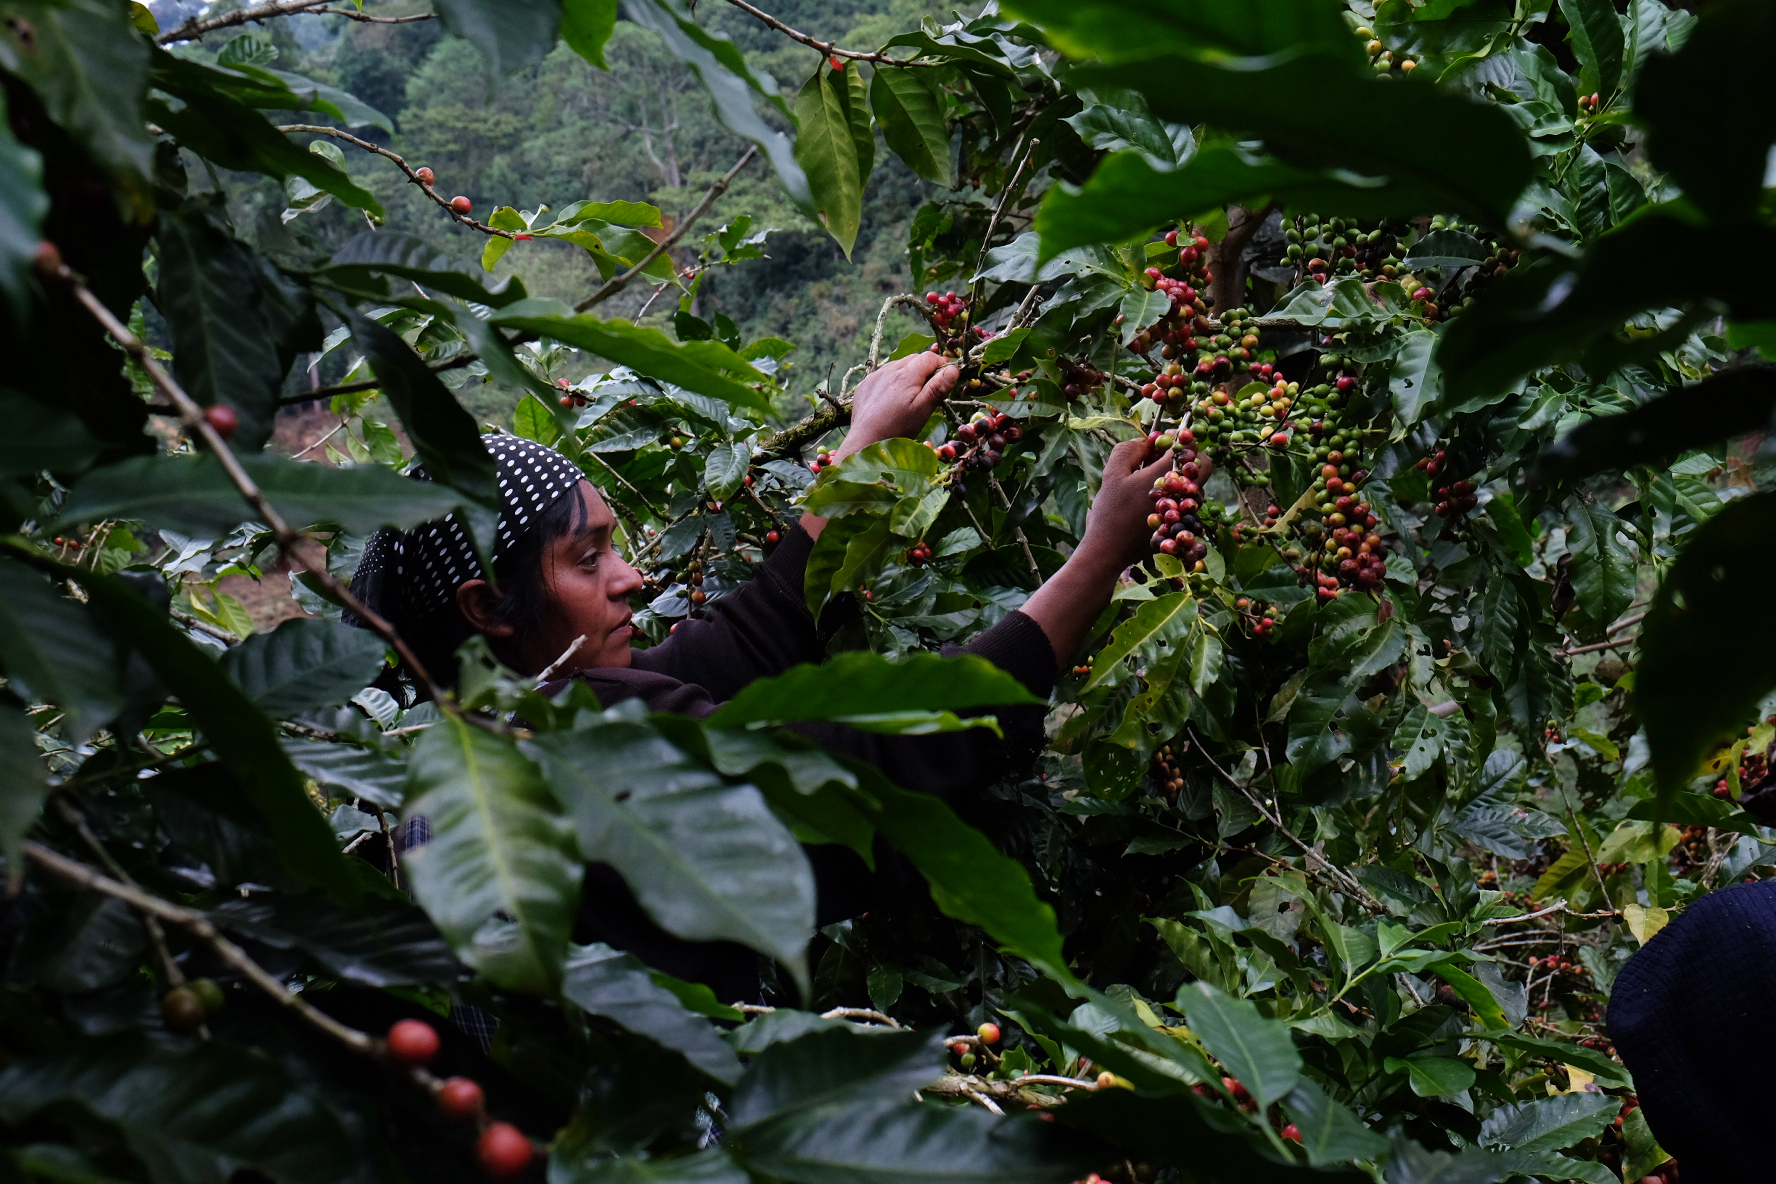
{"x": 588, "y": 585}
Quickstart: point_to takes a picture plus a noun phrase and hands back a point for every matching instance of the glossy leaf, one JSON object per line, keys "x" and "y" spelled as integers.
{"x": 861, "y": 684}
{"x": 387, "y": 944}
{"x": 236, "y": 325}
{"x": 22, "y": 206}
{"x": 1549, "y": 1124}
{"x": 194, "y": 496}
{"x": 706, "y": 367}
{"x": 305, "y": 664}
{"x": 617, "y": 986}
{"x": 209, "y": 1108}
{"x": 89, "y": 68}
{"x": 54, "y": 651}
{"x": 912, "y": 122}
{"x": 1253, "y": 1048}
{"x": 510, "y": 33}
{"x": 500, "y": 875}
{"x": 220, "y": 127}
{"x": 707, "y": 860}
{"x": 354, "y": 772}
{"x": 234, "y": 728}
{"x": 445, "y": 436}
{"x": 731, "y": 85}
{"x": 828, "y": 156}
{"x": 1123, "y": 30}
{"x": 1595, "y": 32}
{"x": 835, "y": 1064}
{"x": 1330, "y": 1133}
{"x": 586, "y": 26}
{"x": 888, "y": 1139}
{"x": 1156, "y": 625}
{"x": 1697, "y": 681}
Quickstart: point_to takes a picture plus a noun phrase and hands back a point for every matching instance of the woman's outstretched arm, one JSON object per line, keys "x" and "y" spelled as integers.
{"x": 1116, "y": 536}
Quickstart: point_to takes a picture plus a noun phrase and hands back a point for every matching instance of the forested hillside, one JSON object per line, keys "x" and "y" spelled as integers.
{"x": 562, "y": 131}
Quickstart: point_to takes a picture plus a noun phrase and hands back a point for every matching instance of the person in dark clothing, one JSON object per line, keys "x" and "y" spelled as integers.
{"x": 1692, "y": 1018}
{"x": 561, "y": 606}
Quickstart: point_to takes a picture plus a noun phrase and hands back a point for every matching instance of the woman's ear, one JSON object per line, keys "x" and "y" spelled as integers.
{"x": 474, "y": 599}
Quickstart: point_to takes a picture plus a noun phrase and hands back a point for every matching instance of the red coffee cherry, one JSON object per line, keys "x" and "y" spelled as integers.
{"x": 460, "y": 1099}
{"x": 413, "y": 1042}
{"x": 223, "y": 419}
{"x": 988, "y": 1032}
{"x": 461, "y": 205}
{"x": 424, "y": 176}
{"x": 504, "y": 1151}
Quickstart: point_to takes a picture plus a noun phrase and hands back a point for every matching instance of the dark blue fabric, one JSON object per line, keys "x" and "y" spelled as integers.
{"x": 1693, "y": 1016}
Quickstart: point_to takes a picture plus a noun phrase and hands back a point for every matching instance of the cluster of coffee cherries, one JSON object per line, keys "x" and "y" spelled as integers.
{"x": 1078, "y": 381}
{"x": 1168, "y": 771}
{"x": 570, "y": 397}
{"x": 947, "y": 309}
{"x": 1590, "y": 104}
{"x": 1383, "y": 59}
{"x": 1177, "y": 504}
{"x": 1352, "y": 555}
{"x": 1256, "y": 614}
{"x": 919, "y": 554}
{"x": 1607, "y": 870}
{"x": 821, "y": 460}
{"x": 1322, "y": 251}
{"x": 1268, "y": 415}
{"x": 503, "y": 1150}
{"x": 981, "y": 442}
{"x": 1177, "y": 330}
{"x": 1455, "y": 499}
{"x": 966, "y": 1048}
{"x": 1692, "y": 851}
{"x": 1556, "y": 964}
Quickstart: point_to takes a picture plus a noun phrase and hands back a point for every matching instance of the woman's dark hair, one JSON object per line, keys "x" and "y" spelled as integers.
{"x": 520, "y": 597}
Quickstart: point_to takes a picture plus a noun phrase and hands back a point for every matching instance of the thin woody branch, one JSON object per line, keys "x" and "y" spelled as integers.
{"x": 826, "y": 47}
{"x": 412, "y": 175}
{"x": 196, "y": 27}
{"x": 618, "y": 283}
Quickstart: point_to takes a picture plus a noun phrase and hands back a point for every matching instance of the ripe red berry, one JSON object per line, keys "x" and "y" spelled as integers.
{"x": 424, "y": 176}
{"x": 504, "y": 1151}
{"x": 460, "y": 1099}
{"x": 1292, "y": 1133}
{"x": 567, "y": 400}
{"x": 413, "y": 1042}
{"x": 47, "y": 259}
{"x": 223, "y": 419}
{"x": 461, "y": 205}
{"x": 988, "y": 1032}
{"x": 772, "y": 537}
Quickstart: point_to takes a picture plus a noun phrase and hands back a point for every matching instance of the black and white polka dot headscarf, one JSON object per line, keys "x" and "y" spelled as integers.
{"x": 405, "y": 574}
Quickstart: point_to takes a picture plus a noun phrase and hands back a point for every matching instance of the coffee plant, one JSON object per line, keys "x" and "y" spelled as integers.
{"x": 1437, "y": 696}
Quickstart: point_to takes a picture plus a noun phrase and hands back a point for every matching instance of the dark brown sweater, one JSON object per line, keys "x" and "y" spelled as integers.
{"x": 763, "y": 629}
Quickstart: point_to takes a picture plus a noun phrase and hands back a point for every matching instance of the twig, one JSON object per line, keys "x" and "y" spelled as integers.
{"x": 860, "y": 1013}
{"x": 1349, "y": 883}
{"x": 289, "y": 541}
{"x": 352, "y": 14}
{"x": 368, "y": 384}
{"x": 200, "y": 926}
{"x": 336, "y": 430}
{"x": 825, "y": 47}
{"x": 412, "y": 176}
{"x": 908, "y": 301}
{"x": 74, "y": 818}
{"x": 617, "y": 284}
{"x": 1556, "y": 907}
{"x": 196, "y": 27}
{"x": 1005, "y": 194}
{"x": 556, "y": 664}
{"x": 1017, "y": 531}
{"x": 191, "y": 622}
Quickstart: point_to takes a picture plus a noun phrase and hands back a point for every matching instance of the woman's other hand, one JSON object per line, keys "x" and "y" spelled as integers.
{"x": 1116, "y": 535}
{"x": 1116, "y": 530}
{"x": 897, "y": 400}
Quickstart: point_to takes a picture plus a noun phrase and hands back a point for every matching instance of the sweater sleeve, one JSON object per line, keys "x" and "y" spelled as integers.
{"x": 760, "y": 629}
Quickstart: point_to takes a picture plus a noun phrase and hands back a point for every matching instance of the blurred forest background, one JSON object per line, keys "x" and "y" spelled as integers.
{"x": 561, "y": 131}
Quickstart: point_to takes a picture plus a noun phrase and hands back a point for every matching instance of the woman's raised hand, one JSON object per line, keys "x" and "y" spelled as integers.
{"x": 1116, "y": 527}
{"x": 897, "y": 400}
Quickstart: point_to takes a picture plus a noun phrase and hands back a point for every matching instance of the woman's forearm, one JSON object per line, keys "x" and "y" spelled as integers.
{"x": 1071, "y": 600}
